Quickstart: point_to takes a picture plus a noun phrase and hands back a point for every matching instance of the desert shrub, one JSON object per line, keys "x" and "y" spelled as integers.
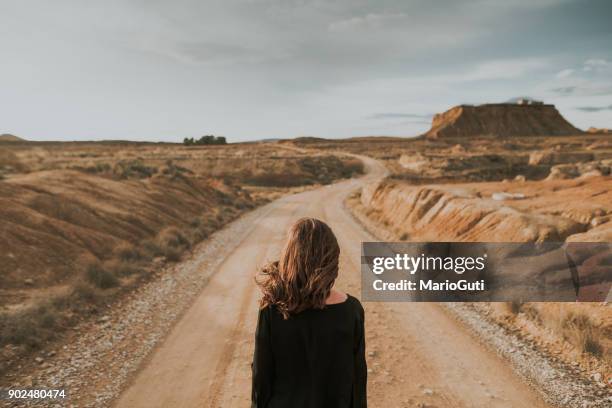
{"x": 171, "y": 169}
{"x": 151, "y": 249}
{"x": 100, "y": 277}
{"x": 578, "y": 329}
{"x": 31, "y": 327}
{"x": 351, "y": 167}
{"x": 172, "y": 254}
{"x": 10, "y": 163}
{"x": 243, "y": 204}
{"x": 198, "y": 234}
{"x": 278, "y": 180}
{"x": 172, "y": 242}
{"x": 172, "y": 237}
{"x": 128, "y": 252}
{"x": 120, "y": 267}
{"x": 513, "y": 307}
{"x": 95, "y": 169}
{"x": 195, "y": 222}
{"x": 133, "y": 169}
{"x": 82, "y": 291}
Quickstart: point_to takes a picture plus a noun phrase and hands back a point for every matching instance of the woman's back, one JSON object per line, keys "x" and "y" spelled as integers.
{"x": 314, "y": 359}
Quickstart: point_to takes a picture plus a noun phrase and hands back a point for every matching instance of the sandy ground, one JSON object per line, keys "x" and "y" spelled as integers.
{"x": 418, "y": 355}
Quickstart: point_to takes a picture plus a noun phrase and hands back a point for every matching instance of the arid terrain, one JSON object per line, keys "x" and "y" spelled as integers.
{"x": 524, "y": 189}
{"x": 83, "y": 223}
{"x": 128, "y": 274}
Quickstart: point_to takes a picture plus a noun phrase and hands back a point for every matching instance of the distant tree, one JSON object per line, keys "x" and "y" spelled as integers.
{"x": 205, "y": 140}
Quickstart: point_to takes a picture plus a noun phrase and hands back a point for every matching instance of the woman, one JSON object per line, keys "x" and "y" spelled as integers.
{"x": 309, "y": 342}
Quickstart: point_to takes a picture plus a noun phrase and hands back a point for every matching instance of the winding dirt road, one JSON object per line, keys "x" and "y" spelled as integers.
{"x": 418, "y": 355}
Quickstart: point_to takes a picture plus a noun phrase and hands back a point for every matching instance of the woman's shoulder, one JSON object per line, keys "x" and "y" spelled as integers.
{"x": 354, "y": 302}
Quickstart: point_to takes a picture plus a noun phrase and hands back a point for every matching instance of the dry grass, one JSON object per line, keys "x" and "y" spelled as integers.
{"x": 578, "y": 329}
{"x": 98, "y": 275}
{"x": 461, "y": 159}
{"x": 512, "y": 308}
{"x": 91, "y": 218}
{"x": 128, "y": 252}
{"x": 473, "y": 169}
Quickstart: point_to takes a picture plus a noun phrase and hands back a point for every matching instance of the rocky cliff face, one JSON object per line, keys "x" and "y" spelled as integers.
{"x": 501, "y": 120}
{"x": 525, "y": 212}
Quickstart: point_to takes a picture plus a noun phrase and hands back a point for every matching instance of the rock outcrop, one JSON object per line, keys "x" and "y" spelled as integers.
{"x": 435, "y": 213}
{"x": 494, "y": 211}
{"x": 501, "y": 120}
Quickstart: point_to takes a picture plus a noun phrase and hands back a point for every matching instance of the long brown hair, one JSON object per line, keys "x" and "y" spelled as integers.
{"x": 303, "y": 276}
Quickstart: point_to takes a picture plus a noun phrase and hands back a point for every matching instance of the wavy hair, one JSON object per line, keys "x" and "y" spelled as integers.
{"x": 303, "y": 276}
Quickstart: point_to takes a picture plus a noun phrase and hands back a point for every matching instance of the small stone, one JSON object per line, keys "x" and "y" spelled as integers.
{"x": 29, "y": 281}
{"x": 428, "y": 391}
{"x": 39, "y": 360}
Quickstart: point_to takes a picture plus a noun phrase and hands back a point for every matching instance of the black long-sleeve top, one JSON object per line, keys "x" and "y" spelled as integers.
{"x": 314, "y": 359}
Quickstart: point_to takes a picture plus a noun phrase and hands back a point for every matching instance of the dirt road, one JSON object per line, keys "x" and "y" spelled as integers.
{"x": 417, "y": 354}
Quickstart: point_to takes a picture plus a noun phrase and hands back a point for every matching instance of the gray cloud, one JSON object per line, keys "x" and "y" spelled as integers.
{"x": 157, "y": 69}
{"x": 587, "y": 89}
{"x": 594, "y": 108}
{"x": 564, "y": 90}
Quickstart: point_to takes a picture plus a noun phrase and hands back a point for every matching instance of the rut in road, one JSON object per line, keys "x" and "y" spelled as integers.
{"x": 417, "y": 354}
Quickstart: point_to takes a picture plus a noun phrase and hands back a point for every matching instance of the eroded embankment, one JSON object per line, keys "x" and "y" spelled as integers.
{"x": 576, "y": 209}
{"x": 574, "y": 339}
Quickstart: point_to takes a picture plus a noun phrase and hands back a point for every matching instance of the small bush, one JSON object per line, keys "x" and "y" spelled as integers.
{"x": 98, "y": 276}
{"x": 513, "y": 307}
{"x": 133, "y": 169}
{"x": 127, "y": 252}
{"x": 197, "y": 235}
{"x": 94, "y": 169}
{"x": 31, "y": 327}
{"x": 172, "y": 237}
{"x": 172, "y": 254}
{"x": 120, "y": 267}
{"x": 578, "y": 329}
{"x": 151, "y": 249}
{"x": 85, "y": 292}
{"x": 172, "y": 242}
{"x": 195, "y": 222}
{"x": 279, "y": 180}
{"x": 171, "y": 169}
{"x": 351, "y": 167}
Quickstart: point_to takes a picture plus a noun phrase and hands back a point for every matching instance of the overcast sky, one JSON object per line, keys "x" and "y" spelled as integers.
{"x": 252, "y": 69}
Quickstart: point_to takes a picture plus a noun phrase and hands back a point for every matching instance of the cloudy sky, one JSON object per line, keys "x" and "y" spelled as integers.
{"x": 251, "y": 69}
